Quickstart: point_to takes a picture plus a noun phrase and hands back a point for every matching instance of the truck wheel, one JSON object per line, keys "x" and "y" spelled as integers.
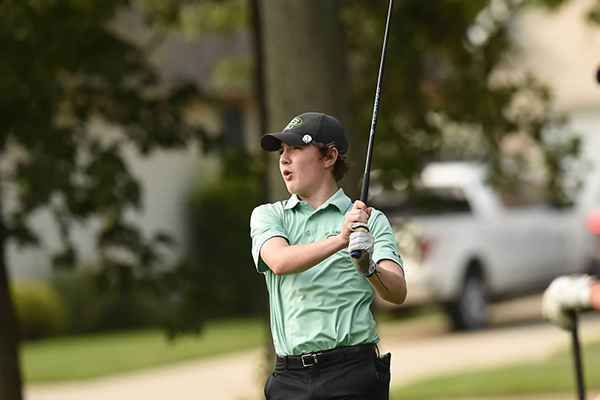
{"x": 471, "y": 310}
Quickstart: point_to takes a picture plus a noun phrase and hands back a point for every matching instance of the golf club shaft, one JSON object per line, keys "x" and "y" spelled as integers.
{"x": 364, "y": 192}
{"x": 577, "y": 359}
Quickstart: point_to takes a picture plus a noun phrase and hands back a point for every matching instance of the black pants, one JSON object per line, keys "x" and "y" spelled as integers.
{"x": 357, "y": 376}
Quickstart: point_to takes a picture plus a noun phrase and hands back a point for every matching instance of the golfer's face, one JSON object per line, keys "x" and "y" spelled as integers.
{"x": 302, "y": 168}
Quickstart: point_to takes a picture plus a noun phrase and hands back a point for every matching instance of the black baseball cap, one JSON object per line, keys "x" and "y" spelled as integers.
{"x": 306, "y": 128}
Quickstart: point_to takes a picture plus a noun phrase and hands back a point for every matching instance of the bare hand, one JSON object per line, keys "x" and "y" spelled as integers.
{"x": 359, "y": 213}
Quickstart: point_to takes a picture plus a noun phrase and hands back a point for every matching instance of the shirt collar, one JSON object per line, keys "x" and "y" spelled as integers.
{"x": 339, "y": 199}
{"x": 292, "y": 202}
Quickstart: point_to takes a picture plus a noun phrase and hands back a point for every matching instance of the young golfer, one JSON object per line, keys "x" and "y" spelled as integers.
{"x": 322, "y": 327}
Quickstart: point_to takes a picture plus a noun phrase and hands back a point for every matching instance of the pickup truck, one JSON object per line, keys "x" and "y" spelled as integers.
{"x": 464, "y": 248}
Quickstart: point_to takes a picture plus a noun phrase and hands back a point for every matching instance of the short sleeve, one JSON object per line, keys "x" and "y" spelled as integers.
{"x": 265, "y": 223}
{"x": 385, "y": 242}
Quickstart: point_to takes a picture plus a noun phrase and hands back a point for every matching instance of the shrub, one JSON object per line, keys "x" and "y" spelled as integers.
{"x": 220, "y": 232}
{"x": 41, "y": 310}
{"x": 91, "y": 309}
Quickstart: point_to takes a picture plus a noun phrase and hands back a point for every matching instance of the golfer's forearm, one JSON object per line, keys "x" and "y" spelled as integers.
{"x": 389, "y": 282}
{"x": 287, "y": 260}
{"x": 595, "y": 297}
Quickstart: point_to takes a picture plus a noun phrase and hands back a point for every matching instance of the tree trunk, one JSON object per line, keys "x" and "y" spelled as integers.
{"x": 266, "y": 367}
{"x": 10, "y": 375}
{"x": 260, "y": 88}
{"x": 305, "y": 66}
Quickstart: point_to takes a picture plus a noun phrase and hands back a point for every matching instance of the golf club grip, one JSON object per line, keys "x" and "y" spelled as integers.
{"x": 364, "y": 192}
{"x": 577, "y": 358}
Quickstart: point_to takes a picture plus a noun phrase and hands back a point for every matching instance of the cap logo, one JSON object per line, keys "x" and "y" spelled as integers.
{"x": 307, "y": 139}
{"x": 294, "y": 122}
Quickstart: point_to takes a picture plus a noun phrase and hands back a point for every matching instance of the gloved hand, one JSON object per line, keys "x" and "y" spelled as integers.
{"x": 565, "y": 294}
{"x": 362, "y": 241}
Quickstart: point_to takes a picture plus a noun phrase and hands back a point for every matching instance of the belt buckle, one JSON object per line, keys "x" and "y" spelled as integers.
{"x": 309, "y": 357}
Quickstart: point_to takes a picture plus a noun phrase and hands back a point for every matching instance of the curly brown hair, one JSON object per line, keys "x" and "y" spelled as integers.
{"x": 341, "y": 164}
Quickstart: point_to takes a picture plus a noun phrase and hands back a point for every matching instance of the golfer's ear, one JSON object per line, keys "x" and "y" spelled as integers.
{"x": 331, "y": 157}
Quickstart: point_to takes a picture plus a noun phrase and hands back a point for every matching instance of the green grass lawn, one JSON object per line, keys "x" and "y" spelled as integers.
{"x": 102, "y": 354}
{"x": 554, "y": 375}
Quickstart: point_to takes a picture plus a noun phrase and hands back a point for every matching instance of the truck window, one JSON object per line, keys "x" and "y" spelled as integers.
{"x": 424, "y": 201}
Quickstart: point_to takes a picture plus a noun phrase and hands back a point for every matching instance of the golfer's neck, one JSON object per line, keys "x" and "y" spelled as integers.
{"x": 320, "y": 194}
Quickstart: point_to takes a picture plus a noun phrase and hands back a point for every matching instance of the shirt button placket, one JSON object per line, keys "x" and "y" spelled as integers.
{"x": 308, "y": 231}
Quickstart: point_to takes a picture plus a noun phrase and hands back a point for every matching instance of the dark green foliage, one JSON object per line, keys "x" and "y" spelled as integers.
{"x": 94, "y": 309}
{"x": 228, "y": 283}
{"x": 64, "y": 73}
{"x": 41, "y": 310}
{"x": 73, "y": 96}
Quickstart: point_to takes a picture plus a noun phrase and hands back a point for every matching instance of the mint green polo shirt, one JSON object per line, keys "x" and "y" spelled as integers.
{"x": 327, "y": 305}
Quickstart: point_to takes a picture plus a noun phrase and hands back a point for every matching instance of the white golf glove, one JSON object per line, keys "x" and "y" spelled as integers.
{"x": 363, "y": 242}
{"x": 565, "y": 294}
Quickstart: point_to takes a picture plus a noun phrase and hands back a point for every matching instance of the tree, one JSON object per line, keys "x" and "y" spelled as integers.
{"x": 62, "y": 70}
{"x": 451, "y": 90}
{"x": 305, "y": 70}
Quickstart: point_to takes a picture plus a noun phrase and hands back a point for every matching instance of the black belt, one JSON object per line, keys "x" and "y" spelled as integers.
{"x": 321, "y": 357}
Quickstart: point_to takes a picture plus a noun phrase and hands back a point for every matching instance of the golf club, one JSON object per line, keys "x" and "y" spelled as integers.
{"x": 364, "y": 193}
{"x": 577, "y": 358}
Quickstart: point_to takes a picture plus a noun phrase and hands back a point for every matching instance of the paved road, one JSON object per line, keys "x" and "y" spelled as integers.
{"x": 420, "y": 349}
{"x": 427, "y": 350}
